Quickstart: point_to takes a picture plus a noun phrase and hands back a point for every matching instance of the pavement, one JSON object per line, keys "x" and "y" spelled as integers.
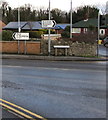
{"x": 53, "y": 58}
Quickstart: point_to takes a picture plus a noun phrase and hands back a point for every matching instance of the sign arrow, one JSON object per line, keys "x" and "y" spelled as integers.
{"x": 20, "y": 36}
{"x": 48, "y": 23}
{"x": 13, "y": 36}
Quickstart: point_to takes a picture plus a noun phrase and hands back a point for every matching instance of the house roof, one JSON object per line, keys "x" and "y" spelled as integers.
{"x": 31, "y": 25}
{"x": 61, "y": 26}
{"x": 87, "y": 23}
{"x": 37, "y": 25}
{"x": 14, "y": 25}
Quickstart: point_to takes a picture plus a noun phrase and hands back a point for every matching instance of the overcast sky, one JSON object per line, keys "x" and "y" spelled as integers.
{"x": 61, "y": 4}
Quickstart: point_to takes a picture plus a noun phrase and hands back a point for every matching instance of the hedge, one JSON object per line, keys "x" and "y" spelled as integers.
{"x": 35, "y": 34}
{"x": 7, "y": 35}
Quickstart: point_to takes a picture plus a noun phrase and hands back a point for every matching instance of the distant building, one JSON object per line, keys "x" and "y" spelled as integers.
{"x": 84, "y": 27}
{"x": 2, "y": 24}
{"x": 36, "y": 25}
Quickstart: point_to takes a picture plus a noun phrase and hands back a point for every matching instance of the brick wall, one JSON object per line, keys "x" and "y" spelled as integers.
{"x": 12, "y": 47}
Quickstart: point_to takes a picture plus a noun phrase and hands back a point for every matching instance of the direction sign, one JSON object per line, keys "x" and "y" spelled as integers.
{"x": 20, "y": 36}
{"x": 48, "y": 23}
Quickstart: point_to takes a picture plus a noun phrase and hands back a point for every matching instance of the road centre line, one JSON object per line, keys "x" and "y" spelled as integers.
{"x": 48, "y": 68}
{"x": 25, "y": 110}
{"x": 58, "y": 78}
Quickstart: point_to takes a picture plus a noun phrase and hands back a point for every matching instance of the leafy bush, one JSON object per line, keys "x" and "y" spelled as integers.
{"x": 45, "y": 31}
{"x": 86, "y": 38}
{"x": 67, "y": 28}
{"x": 7, "y": 35}
{"x": 89, "y": 38}
{"x": 36, "y": 34}
{"x": 66, "y": 32}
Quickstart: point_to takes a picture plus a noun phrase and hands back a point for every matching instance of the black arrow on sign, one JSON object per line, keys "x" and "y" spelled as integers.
{"x": 54, "y": 23}
{"x": 13, "y": 36}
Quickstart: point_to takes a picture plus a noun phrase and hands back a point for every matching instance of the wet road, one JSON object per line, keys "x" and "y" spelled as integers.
{"x": 7, "y": 114}
{"x": 103, "y": 51}
{"x": 56, "y": 89}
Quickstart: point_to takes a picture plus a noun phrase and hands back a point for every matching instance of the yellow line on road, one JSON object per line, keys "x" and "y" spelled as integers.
{"x": 35, "y": 115}
{"x": 16, "y": 111}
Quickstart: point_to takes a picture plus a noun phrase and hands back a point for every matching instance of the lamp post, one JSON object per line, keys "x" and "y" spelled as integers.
{"x": 19, "y": 26}
{"x": 71, "y": 20}
{"x": 98, "y": 33}
{"x": 49, "y": 32}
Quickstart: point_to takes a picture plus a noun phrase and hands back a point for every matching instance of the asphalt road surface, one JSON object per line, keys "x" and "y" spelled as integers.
{"x": 56, "y": 89}
{"x": 103, "y": 51}
{"x": 9, "y": 115}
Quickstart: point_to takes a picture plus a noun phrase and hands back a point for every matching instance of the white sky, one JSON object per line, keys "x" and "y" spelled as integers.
{"x": 61, "y": 4}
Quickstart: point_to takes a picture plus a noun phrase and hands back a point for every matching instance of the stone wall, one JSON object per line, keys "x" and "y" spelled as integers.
{"x": 41, "y": 48}
{"x": 76, "y": 49}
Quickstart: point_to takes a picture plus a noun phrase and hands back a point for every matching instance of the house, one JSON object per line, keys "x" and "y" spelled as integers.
{"x": 84, "y": 26}
{"x": 2, "y": 24}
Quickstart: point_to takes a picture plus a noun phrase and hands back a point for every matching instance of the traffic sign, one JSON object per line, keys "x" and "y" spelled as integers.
{"x": 48, "y": 23}
{"x": 20, "y": 36}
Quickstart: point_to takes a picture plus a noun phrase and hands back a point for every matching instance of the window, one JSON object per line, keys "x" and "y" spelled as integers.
{"x": 76, "y": 30}
{"x": 102, "y": 31}
{"x": 85, "y": 30}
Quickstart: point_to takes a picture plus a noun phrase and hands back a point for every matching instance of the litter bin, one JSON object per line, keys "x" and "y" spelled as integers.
{"x": 99, "y": 42}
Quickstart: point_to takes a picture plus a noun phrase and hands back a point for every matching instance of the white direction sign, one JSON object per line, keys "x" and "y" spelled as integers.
{"x": 20, "y": 36}
{"x": 48, "y": 23}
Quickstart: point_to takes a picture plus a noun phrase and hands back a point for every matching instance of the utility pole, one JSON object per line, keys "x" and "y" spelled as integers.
{"x": 71, "y": 20}
{"x": 19, "y": 26}
{"x": 98, "y": 33}
{"x": 49, "y": 32}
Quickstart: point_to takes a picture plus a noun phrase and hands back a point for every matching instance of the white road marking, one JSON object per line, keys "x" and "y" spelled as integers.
{"x": 48, "y": 68}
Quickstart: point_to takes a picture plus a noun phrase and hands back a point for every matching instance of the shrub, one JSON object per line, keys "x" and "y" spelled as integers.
{"x": 36, "y": 34}
{"x": 87, "y": 38}
{"x": 7, "y": 35}
{"x": 65, "y": 34}
{"x": 45, "y": 31}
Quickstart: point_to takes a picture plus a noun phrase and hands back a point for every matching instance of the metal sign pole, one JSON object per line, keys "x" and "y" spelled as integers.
{"x": 25, "y": 51}
{"x": 18, "y": 47}
{"x": 98, "y": 33}
{"x": 71, "y": 21}
{"x": 19, "y": 29}
{"x": 49, "y": 32}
